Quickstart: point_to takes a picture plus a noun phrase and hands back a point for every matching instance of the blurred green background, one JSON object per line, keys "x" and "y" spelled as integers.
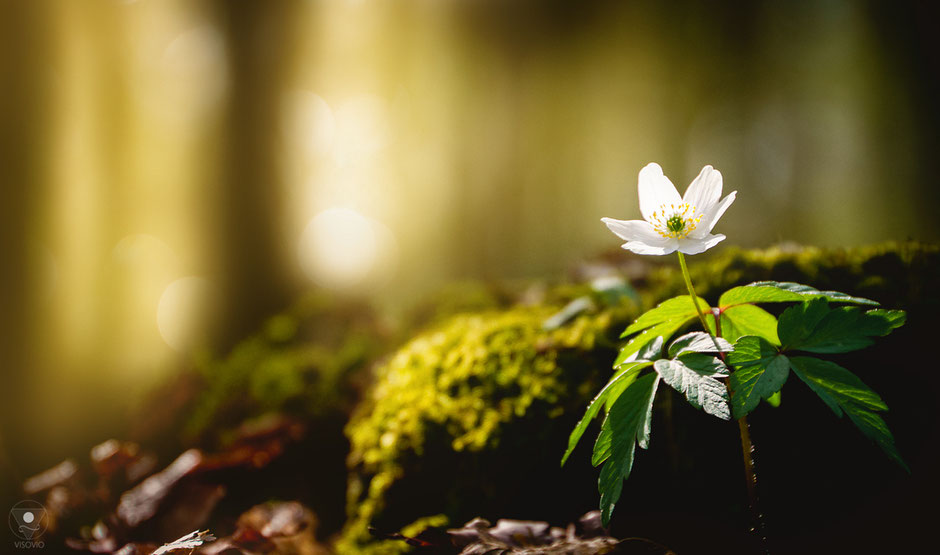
{"x": 175, "y": 171}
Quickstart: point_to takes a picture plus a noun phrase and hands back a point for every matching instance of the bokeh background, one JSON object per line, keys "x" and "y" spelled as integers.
{"x": 172, "y": 172}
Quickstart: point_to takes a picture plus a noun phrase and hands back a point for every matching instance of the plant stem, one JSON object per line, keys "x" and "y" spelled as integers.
{"x": 688, "y": 285}
{"x": 747, "y": 448}
{"x": 750, "y": 476}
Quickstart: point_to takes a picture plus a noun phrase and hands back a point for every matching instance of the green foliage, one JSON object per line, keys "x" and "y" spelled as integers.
{"x": 757, "y": 359}
{"x": 687, "y": 349}
{"x": 699, "y": 342}
{"x": 759, "y": 372}
{"x": 627, "y": 424}
{"x": 761, "y": 368}
{"x": 746, "y": 319}
{"x": 815, "y": 328}
{"x": 779, "y": 292}
{"x": 677, "y": 308}
{"x": 775, "y": 399}
{"x": 663, "y": 321}
{"x": 659, "y": 332}
{"x": 844, "y": 392}
{"x": 694, "y": 377}
{"x": 434, "y": 366}
{"x": 617, "y": 385}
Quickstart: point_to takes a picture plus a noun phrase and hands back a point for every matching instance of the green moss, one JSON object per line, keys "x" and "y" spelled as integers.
{"x": 302, "y": 362}
{"x": 861, "y": 270}
{"x": 464, "y": 380}
{"x": 484, "y": 388}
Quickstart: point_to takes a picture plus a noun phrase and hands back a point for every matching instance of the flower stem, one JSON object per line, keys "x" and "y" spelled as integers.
{"x": 747, "y": 450}
{"x": 747, "y": 447}
{"x": 750, "y": 474}
{"x": 698, "y": 309}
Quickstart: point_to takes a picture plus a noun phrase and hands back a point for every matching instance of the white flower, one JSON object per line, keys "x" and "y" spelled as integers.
{"x": 671, "y": 223}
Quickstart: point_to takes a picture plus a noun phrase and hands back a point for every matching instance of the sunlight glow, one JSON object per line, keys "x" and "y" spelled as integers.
{"x": 308, "y": 123}
{"x": 182, "y": 312}
{"x": 339, "y": 248}
{"x": 362, "y": 129}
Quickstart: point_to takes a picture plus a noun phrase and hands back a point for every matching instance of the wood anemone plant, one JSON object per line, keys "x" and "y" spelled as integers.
{"x": 742, "y": 354}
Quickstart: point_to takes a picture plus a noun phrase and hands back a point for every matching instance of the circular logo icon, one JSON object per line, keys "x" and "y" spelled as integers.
{"x": 28, "y": 520}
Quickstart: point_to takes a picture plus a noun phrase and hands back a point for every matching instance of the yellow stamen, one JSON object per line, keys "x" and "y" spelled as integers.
{"x": 682, "y": 220}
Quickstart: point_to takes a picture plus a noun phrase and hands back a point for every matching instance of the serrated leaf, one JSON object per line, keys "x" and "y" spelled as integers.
{"x": 602, "y": 444}
{"x": 748, "y": 319}
{"x": 798, "y": 322}
{"x": 664, "y": 330}
{"x": 701, "y": 389}
{"x": 816, "y": 328}
{"x": 705, "y": 364}
{"x": 783, "y": 291}
{"x": 612, "y": 390}
{"x": 627, "y": 423}
{"x": 650, "y": 351}
{"x": 758, "y": 371}
{"x": 892, "y": 318}
{"x": 676, "y": 308}
{"x": 844, "y": 392}
{"x": 848, "y": 329}
{"x": 698, "y": 342}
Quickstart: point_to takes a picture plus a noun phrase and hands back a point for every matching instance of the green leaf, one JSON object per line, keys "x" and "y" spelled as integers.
{"x": 636, "y": 345}
{"x": 748, "y": 319}
{"x": 676, "y": 308}
{"x": 894, "y": 319}
{"x": 778, "y": 292}
{"x": 815, "y": 328}
{"x": 848, "y": 329}
{"x": 797, "y": 323}
{"x": 698, "y": 342}
{"x": 627, "y": 424}
{"x": 700, "y": 388}
{"x": 844, "y": 392}
{"x": 774, "y": 400}
{"x": 602, "y": 445}
{"x": 704, "y": 364}
{"x": 612, "y": 390}
{"x": 759, "y": 372}
{"x": 650, "y": 351}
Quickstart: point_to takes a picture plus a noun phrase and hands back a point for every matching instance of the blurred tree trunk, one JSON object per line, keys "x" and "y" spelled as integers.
{"x": 261, "y": 39}
{"x": 25, "y": 73}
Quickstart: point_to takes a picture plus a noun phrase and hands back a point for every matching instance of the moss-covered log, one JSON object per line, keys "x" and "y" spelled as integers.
{"x": 471, "y": 417}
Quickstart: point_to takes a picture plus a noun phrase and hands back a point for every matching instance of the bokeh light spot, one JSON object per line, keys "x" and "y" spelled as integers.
{"x": 338, "y": 248}
{"x": 183, "y": 310}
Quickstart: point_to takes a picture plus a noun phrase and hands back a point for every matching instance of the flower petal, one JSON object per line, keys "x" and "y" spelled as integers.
{"x": 640, "y": 237}
{"x": 712, "y": 216}
{"x": 690, "y": 245}
{"x": 669, "y": 246}
{"x": 632, "y": 230}
{"x": 704, "y": 191}
{"x": 655, "y": 190}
